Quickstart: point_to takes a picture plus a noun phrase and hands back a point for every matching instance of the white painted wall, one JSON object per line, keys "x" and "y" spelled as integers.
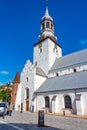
{"x": 46, "y": 58}
{"x": 39, "y": 80}
{"x": 40, "y": 103}
{"x": 53, "y": 53}
{"x": 84, "y": 102}
{"x": 27, "y": 73}
{"x": 78, "y": 68}
{"x": 58, "y": 105}
{"x": 29, "y": 79}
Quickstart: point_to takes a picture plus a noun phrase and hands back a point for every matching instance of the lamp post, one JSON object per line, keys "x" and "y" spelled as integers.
{"x": 8, "y": 85}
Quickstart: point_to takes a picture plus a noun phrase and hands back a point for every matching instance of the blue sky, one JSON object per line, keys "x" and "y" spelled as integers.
{"x": 20, "y": 27}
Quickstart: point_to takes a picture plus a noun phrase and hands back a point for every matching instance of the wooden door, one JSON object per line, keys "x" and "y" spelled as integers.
{"x": 27, "y": 105}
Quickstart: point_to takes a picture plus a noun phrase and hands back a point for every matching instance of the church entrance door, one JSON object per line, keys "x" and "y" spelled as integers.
{"x": 27, "y": 105}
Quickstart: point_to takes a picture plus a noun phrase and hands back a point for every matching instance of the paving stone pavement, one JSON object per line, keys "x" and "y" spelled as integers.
{"x": 29, "y": 121}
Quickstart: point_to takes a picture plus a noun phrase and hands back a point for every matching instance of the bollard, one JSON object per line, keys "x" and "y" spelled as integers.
{"x": 41, "y": 118}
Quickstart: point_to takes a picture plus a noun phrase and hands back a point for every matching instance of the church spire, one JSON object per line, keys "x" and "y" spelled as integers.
{"x": 46, "y": 3}
{"x": 47, "y": 8}
{"x": 47, "y": 26}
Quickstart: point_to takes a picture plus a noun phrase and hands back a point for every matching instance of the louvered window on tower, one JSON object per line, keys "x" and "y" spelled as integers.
{"x": 51, "y": 26}
{"x": 40, "y": 47}
{"x": 47, "y": 25}
{"x": 42, "y": 25}
{"x": 55, "y": 46}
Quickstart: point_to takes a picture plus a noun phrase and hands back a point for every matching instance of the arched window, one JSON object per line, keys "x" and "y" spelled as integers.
{"x": 52, "y": 26}
{"x": 57, "y": 74}
{"x": 74, "y": 70}
{"x": 27, "y": 93}
{"x": 27, "y": 79}
{"x": 68, "y": 103}
{"x": 47, "y": 101}
{"x": 42, "y": 25}
{"x": 47, "y": 24}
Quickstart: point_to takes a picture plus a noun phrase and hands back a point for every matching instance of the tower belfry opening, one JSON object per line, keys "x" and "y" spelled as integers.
{"x": 47, "y": 26}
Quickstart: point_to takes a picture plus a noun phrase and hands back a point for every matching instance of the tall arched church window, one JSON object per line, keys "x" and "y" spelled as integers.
{"x": 27, "y": 93}
{"x": 47, "y": 101}
{"x": 67, "y": 100}
{"x": 27, "y": 79}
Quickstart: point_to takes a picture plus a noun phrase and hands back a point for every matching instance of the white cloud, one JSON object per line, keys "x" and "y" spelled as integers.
{"x": 1, "y": 83}
{"x": 83, "y": 42}
{"x": 4, "y": 72}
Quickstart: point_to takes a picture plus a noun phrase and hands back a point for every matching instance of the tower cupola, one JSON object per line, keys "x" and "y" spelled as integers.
{"x": 47, "y": 26}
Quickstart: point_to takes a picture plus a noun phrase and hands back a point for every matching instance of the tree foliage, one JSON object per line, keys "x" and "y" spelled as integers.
{"x": 3, "y": 94}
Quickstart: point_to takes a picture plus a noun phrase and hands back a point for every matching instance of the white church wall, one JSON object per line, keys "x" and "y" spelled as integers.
{"x": 27, "y": 81}
{"x": 54, "y": 52}
{"x": 46, "y": 58}
{"x": 38, "y": 81}
{"x": 84, "y": 67}
{"x": 61, "y": 103}
{"x": 82, "y": 102}
{"x": 40, "y": 103}
{"x": 54, "y": 104}
{"x": 78, "y": 68}
{"x": 58, "y": 105}
{"x": 42, "y": 57}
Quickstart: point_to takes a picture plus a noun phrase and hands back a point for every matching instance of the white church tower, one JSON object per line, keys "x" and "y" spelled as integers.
{"x": 46, "y": 51}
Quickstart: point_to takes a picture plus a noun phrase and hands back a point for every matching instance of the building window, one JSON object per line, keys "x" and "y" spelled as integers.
{"x": 40, "y": 47}
{"x": 67, "y": 100}
{"x": 40, "y": 50}
{"x": 27, "y": 93}
{"x": 35, "y": 63}
{"x": 52, "y": 26}
{"x": 47, "y": 101}
{"x": 57, "y": 74}
{"x": 55, "y": 46}
{"x": 47, "y": 24}
{"x": 42, "y": 25}
{"x": 74, "y": 70}
{"x": 27, "y": 79}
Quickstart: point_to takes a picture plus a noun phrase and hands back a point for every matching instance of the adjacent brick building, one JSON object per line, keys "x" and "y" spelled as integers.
{"x": 15, "y": 88}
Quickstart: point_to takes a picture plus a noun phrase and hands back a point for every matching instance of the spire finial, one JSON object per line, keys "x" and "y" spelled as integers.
{"x": 47, "y": 13}
{"x": 46, "y": 3}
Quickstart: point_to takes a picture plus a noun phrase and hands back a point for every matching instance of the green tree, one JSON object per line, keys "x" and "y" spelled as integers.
{"x": 3, "y": 95}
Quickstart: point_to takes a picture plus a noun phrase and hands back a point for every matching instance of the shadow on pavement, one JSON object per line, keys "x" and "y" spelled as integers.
{"x": 15, "y": 126}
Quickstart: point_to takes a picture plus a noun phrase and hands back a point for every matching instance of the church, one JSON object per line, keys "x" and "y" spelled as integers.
{"x": 53, "y": 83}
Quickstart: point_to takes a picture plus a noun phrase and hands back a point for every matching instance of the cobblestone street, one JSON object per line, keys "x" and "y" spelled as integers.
{"x": 29, "y": 121}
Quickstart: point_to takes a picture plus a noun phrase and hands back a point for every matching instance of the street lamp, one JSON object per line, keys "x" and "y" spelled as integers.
{"x": 7, "y": 85}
